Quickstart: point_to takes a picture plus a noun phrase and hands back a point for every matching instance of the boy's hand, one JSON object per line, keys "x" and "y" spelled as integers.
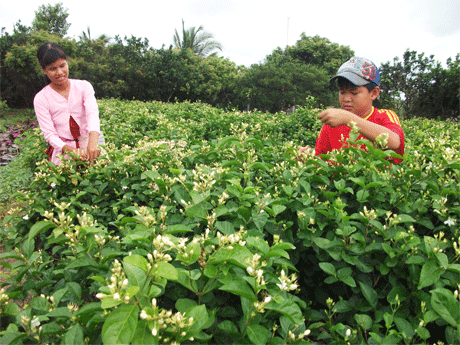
{"x": 304, "y": 152}
{"x": 335, "y": 117}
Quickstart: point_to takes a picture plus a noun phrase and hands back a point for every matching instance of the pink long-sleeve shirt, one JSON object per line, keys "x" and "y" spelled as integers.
{"x": 53, "y": 113}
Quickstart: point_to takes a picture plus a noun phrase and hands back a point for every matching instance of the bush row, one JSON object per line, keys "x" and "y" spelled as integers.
{"x": 201, "y": 226}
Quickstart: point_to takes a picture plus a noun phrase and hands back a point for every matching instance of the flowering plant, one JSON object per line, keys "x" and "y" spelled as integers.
{"x": 224, "y": 237}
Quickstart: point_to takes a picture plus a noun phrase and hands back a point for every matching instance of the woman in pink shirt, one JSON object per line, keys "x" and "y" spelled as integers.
{"x": 66, "y": 108}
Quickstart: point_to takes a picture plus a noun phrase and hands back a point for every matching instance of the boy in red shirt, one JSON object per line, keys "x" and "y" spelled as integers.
{"x": 359, "y": 85}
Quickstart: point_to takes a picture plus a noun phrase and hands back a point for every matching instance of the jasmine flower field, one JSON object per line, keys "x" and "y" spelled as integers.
{"x": 200, "y": 225}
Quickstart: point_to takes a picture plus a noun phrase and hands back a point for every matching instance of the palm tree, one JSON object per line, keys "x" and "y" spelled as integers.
{"x": 199, "y": 41}
{"x": 86, "y": 37}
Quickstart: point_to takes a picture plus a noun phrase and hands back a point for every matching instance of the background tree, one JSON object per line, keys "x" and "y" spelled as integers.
{"x": 22, "y": 76}
{"x": 52, "y": 19}
{"x": 198, "y": 40}
{"x": 287, "y": 77}
{"x": 321, "y": 52}
{"x": 418, "y": 86}
{"x": 280, "y": 83}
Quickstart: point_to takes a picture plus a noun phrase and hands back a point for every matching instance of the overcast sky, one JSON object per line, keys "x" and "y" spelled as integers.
{"x": 249, "y": 30}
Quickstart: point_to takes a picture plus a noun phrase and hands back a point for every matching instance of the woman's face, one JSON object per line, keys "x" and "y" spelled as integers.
{"x": 58, "y": 72}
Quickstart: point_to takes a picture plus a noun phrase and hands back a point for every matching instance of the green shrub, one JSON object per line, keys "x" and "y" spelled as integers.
{"x": 200, "y": 226}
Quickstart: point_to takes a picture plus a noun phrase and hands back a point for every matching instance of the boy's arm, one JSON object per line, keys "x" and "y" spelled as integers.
{"x": 338, "y": 117}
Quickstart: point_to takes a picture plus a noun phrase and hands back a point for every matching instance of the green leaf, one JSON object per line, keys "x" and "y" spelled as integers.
{"x": 120, "y": 325}
{"x": 200, "y": 318}
{"x": 328, "y": 268}
{"x": 39, "y": 227}
{"x": 430, "y": 273}
{"x": 165, "y": 270}
{"x": 143, "y": 335}
{"x": 239, "y": 287}
{"x": 184, "y": 304}
{"x": 260, "y": 219}
{"x": 60, "y": 312}
{"x": 404, "y": 327}
{"x": 226, "y": 141}
{"x": 11, "y": 309}
{"x": 423, "y": 333}
{"x": 83, "y": 261}
{"x": 89, "y": 308}
{"x": 177, "y": 229}
{"x": 110, "y": 302}
{"x": 364, "y": 321}
{"x": 362, "y": 195}
{"x": 196, "y": 211}
{"x": 446, "y": 305}
{"x": 225, "y": 227}
{"x": 288, "y": 308}
{"x": 344, "y": 275}
{"x": 277, "y": 209}
{"x": 258, "y": 243}
{"x": 228, "y": 326}
{"x": 369, "y": 294}
{"x": 135, "y": 267}
{"x": 454, "y": 268}
{"x": 277, "y": 252}
{"x": 238, "y": 255}
{"x": 40, "y": 303}
{"x": 12, "y": 255}
{"x": 74, "y": 336}
{"x": 258, "y": 334}
{"x": 415, "y": 260}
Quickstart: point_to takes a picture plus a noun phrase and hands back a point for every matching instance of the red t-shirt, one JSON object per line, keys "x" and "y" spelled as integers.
{"x": 330, "y": 138}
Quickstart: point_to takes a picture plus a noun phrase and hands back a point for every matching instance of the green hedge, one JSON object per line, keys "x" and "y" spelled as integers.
{"x": 200, "y": 226}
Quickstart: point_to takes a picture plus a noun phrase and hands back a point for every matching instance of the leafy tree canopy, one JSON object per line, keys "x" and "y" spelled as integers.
{"x": 52, "y": 19}
{"x": 320, "y": 51}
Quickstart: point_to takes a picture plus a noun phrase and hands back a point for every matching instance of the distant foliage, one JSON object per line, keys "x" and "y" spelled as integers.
{"x": 52, "y": 19}
{"x": 418, "y": 86}
{"x": 202, "y": 43}
{"x": 189, "y": 70}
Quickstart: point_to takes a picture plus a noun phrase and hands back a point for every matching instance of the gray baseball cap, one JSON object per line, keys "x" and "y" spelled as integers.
{"x": 360, "y": 71}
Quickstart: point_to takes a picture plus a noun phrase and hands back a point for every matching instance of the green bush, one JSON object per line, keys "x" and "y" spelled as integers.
{"x": 200, "y": 226}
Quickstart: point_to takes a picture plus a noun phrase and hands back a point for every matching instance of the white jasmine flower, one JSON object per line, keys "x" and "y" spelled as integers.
{"x": 53, "y": 185}
{"x": 35, "y": 322}
{"x": 124, "y": 187}
{"x": 26, "y": 217}
{"x": 143, "y": 315}
{"x": 450, "y": 222}
{"x": 283, "y": 286}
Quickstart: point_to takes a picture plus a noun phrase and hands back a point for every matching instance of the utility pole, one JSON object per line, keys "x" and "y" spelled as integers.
{"x": 287, "y": 32}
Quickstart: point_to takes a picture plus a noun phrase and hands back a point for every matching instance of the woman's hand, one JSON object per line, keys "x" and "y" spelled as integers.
{"x": 93, "y": 151}
{"x": 82, "y": 155}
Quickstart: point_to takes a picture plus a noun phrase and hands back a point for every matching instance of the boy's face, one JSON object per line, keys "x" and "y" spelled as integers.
{"x": 358, "y": 100}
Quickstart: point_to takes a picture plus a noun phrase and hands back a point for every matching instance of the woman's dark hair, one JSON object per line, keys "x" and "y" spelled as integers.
{"x": 50, "y": 52}
{"x": 345, "y": 84}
